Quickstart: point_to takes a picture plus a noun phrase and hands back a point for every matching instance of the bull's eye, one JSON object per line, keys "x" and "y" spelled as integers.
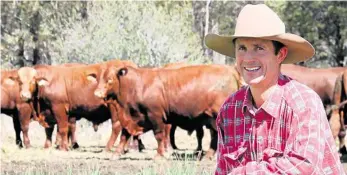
{"x": 122, "y": 72}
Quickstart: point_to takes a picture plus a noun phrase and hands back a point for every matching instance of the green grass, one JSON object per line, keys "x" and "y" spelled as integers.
{"x": 153, "y": 168}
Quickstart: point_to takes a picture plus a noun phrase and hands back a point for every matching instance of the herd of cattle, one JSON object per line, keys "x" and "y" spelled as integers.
{"x": 139, "y": 99}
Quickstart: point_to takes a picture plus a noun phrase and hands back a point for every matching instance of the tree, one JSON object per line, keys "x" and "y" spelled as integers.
{"x": 323, "y": 24}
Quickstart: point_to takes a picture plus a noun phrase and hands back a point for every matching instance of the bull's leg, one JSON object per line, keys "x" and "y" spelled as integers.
{"x": 49, "y": 131}
{"x": 199, "y": 136}
{"x": 123, "y": 142}
{"x": 335, "y": 124}
{"x": 159, "y": 132}
{"x": 159, "y": 136}
{"x": 63, "y": 125}
{"x": 172, "y": 136}
{"x": 17, "y": 129}
{"x": 141, "y": 146}
{"x": 213, "y": 145}
{"x": 72, "y": 132}
{"x": 167, "y": 136}
{"x": 116, "y": 127}
{"x": 24, "y": 118}
{"x": 57, "y": 137}
{"x": 342, "y": 134}
{"x": 25, "y": 130}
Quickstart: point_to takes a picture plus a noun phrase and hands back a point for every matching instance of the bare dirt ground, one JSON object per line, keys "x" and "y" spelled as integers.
{"x": 91, "y": 158}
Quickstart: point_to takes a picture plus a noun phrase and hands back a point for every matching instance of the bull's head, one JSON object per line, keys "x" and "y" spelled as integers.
{"x": 108, "y": 83}
{"x": 27, "y": 82}
{"x": 10, "y": 80}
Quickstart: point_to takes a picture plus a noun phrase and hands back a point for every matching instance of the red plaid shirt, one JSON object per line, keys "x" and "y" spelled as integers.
{"x": 288, "y": 134}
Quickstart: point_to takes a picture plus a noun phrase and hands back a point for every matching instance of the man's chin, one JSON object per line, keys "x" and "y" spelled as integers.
{"x": 255, "y": 81}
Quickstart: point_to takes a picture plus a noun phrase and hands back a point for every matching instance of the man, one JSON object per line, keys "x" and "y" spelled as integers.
{"x": 274, "y": 125}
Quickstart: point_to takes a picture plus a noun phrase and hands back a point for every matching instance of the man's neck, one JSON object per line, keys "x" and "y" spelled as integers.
{"x": 261, "y": 93}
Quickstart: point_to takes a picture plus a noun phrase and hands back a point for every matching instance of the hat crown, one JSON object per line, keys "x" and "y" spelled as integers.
{"x": 257, "y": 21}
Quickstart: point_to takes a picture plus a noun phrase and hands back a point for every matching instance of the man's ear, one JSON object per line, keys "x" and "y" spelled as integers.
{"x": 282, "y": 54}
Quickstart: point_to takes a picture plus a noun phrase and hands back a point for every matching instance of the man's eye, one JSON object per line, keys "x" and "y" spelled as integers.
{"x": 259, "y": 48}
{"x": 242, "y": 48}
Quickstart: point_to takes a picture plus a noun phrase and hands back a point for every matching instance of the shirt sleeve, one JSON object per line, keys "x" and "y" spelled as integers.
{"x": 304, "y": 149}
{"x": 221, "y": 164}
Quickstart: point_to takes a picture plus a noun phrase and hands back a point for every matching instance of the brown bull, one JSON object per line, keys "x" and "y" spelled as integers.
{"x": 68, "y": 91}
{"x": 12, "y": 105}
{"x": 172, "y": 128}
{"x": 339, "y": 110}
{"x": 321, "y": 80}
{"x": 185, "y": 97}
{"x": 46, "y": 118}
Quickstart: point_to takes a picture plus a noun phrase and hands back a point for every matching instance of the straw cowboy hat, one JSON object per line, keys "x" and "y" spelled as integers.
{"x": 259, "y": 21}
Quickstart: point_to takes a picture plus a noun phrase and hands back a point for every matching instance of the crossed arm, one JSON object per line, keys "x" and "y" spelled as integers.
{"x": 303, "y": 154}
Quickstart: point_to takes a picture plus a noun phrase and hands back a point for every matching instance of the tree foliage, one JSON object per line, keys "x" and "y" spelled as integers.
{"x": 153, "y": 32}
{"x": 323, "y": 23}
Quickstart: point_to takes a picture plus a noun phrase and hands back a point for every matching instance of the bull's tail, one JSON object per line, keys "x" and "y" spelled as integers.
{"x": 343, "y": 109}
{"x": 338, "y": 90}
{"x": 333, "y": 112}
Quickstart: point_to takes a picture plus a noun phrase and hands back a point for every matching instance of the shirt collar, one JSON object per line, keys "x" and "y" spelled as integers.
{"x": 272, "y": 104}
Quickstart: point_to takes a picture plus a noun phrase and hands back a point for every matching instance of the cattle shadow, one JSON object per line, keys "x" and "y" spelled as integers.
{"x": 185, "y": 156}
{"x": 87, "y": 150}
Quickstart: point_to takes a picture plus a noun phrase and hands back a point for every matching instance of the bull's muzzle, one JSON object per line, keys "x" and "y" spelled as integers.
{"x": 25, "y": 95}
{"x": 100, "y": 93}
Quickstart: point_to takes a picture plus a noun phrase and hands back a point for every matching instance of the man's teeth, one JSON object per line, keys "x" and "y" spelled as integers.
{"x": 252, "y": 68}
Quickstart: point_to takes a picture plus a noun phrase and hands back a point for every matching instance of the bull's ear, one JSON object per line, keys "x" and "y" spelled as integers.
{"x": 9, "y": 81}
{"x": 91, "y": 78}
{"x": 123, "y": 71}
{"x": 42, "y": 82}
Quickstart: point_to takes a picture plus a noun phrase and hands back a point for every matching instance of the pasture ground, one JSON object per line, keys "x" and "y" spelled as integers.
{"x": 91, "y": 158}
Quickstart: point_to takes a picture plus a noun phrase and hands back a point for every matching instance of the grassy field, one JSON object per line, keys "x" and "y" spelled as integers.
{"x": 91, "y": 158}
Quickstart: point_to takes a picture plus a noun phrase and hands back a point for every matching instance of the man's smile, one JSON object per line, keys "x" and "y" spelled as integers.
{"x": 252, "y": 69}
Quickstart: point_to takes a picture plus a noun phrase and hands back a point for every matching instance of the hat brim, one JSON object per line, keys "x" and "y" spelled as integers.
{"x": 299, "y": 49}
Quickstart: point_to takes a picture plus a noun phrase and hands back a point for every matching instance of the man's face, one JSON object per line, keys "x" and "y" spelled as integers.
{"x": 256, "y": 61}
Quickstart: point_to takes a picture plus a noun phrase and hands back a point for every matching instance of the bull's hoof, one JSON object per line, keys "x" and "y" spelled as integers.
{"x": 141, "y": 147}
{"x": 27, "y": 146}
{"x": 159, "y": 158}
{"x": 199, "y": 154}
{"x": 115, "y": 156}
{"x": 198, "y": 149}
{"x": 343, "y": 150}
{"x": 57, "y": 143}
{"x": 107, "y": 149}
{"x": 209, "y": 155}
{"x": 19, "y": 143}
{"x": 47, "y": 145}
{"x": 75, "y": 145}
{"x": 63, "y": 148}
